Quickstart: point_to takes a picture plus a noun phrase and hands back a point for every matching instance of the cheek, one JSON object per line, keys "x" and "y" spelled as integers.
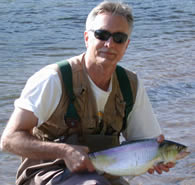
{"x": 95, "y": 44}
{"x": 121, "y": 52}
{"x": 121, "y": 49}
{"x": 124, "y": 47}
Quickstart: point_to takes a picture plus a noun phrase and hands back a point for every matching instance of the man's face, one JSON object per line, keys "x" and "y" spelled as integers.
{"x": 106, "y": 52}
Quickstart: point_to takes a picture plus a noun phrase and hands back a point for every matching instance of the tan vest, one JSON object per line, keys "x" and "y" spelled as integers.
{"x": 89, "y": 129}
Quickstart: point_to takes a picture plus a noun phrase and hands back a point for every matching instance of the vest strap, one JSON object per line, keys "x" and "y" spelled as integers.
{"x": 125, "y": 88}
{"x": 71, "y": 115}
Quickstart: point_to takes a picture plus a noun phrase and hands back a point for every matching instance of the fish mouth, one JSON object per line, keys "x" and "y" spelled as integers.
{"x": 182, "y": 154}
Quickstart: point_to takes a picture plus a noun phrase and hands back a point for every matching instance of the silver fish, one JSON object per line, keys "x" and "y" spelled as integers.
{"x": 135, "y": 158}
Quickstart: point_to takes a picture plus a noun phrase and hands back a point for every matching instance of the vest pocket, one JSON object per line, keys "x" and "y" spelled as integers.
{"x": 120, "y": 107}
{"x": 120, "y": 112}
{"x": 89, "y": 125}
{"x": 115, "y": 113}
{"x": 80, "y": 100}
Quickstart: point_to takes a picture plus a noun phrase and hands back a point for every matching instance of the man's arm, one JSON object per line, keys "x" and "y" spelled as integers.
{"x": 17, "y": 138}
{"x": 142, "y": 123}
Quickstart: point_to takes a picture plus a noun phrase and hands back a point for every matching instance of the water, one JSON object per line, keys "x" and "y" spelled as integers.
{"x": 162, "y": 51}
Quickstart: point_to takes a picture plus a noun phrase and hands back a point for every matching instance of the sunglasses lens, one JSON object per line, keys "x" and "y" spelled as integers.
{"x": 102, "y": 35}
{"x": 120, "y": 37}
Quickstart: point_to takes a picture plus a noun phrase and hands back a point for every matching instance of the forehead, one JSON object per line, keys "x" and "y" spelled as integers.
{"x": 110, "y": 22}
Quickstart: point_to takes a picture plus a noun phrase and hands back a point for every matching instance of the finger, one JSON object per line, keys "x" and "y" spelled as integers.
{"x": 74, "y": 167}
{"x": 80, "y": 165}
{"x": 164, "y": 167}
{"x": 158, "y": 170}
{"x": 151, "y": 171}
{"x": 85, "y": 148}
{"x": 160, "y": 138}
{"x": 170, "y": 164}
{"x": 90, "y": 166}
{"x": 85, "y": 164}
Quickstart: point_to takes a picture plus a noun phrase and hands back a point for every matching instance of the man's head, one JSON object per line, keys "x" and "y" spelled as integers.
{"x": 115, "y": 8}
{"x": 108, "y": 29}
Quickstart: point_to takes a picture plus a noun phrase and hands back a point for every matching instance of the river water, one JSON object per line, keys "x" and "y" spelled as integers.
{"x": 162, "y": 52}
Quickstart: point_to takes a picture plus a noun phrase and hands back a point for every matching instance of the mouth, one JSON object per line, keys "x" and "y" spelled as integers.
{"x": 107, "y": 53}
{"x": 182, "y": 154}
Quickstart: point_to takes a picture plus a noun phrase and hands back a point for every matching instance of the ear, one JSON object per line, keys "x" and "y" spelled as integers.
{"x": 128, "y": 42}
{"x": 86, "y": 37}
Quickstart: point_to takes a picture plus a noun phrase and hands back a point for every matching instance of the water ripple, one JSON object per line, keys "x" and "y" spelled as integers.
{"x": 162, "y": 52}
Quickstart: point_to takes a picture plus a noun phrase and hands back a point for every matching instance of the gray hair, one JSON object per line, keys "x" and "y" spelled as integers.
{"x": 116, "y": 8}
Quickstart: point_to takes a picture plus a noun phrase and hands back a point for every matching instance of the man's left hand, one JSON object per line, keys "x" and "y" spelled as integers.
{"x": 160, "y": 167}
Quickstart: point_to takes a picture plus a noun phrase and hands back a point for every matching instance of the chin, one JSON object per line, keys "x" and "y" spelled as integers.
{"x": 106, "y": 60}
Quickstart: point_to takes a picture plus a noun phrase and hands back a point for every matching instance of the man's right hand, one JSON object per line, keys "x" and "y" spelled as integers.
{"x": 18, "y": 139}
{"x": 77, "y": 159}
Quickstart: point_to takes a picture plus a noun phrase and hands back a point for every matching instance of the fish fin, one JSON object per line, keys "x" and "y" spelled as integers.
{"x": 136, "y": 141}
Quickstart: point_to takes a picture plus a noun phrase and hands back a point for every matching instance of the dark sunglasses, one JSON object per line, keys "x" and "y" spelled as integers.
{"x": 104, "y": 35}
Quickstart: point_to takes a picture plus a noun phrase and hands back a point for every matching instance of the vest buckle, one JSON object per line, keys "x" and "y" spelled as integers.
{"x": 72, "y": 122}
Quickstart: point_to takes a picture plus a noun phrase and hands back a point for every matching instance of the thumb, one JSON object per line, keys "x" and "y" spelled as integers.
{"x": 160, "y": 138}
{"x": 85, "y": 148}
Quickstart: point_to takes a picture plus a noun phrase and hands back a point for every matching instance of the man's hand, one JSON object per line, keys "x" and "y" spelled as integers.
{"x": 160, "y": 167}
{"x": 77, "y": 159}
{"x": 18, "y": 139}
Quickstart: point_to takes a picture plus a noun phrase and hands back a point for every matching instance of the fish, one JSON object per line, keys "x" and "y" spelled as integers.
{"x": 136, "y": 157}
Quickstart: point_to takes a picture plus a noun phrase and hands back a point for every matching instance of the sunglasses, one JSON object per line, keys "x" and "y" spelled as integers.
{"x": 104, "y": 35}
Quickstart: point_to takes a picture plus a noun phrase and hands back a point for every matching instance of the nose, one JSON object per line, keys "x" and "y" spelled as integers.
{"x": 109, "y": 43}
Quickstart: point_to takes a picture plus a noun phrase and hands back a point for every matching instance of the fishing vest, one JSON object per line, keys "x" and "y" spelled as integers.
{"x": 86, "y": 129}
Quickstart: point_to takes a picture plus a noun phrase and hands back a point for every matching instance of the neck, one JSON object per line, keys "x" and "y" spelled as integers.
{"x": 100, "y": 74}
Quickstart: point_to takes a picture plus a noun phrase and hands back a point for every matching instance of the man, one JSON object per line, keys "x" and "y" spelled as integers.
{"x": 38, "y": 124}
